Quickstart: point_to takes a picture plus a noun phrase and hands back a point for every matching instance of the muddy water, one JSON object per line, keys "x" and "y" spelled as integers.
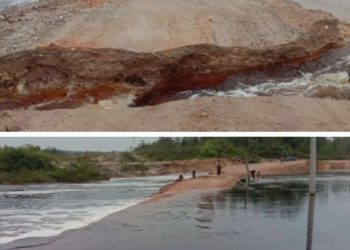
{"x": 327, "y": 77}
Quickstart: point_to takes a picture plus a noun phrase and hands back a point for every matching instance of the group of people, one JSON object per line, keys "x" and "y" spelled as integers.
{"x": 219, "y": 165}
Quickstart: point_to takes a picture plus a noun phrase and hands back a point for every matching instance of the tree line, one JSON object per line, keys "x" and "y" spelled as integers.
{"x": 31, "y": 164}
{"x": 253, "y": 149}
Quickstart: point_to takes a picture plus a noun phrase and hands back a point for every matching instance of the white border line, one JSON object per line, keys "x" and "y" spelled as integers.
{"x": 175, "y": 134}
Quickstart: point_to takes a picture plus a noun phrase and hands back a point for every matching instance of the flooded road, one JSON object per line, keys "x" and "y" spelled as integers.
{"x": 273, "y": 214}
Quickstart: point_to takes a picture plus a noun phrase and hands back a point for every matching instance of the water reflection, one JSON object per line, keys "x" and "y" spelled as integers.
{"x": 272, "y": 199}
{"x": 276, "y": 211}
{"x": 310, "y": 222}
{"x": 206, "y": 212}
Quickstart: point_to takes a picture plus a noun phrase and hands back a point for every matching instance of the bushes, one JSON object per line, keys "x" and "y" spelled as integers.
{"x": 25, "y": 176}
{"x": 139, "y": 167}
{"x": 32, "y": 165}
{"x": 252, "y": 148}
{"x": 127, "y": 157}
{"x": 77, "y": 172}
{"x": 24, "y": 158}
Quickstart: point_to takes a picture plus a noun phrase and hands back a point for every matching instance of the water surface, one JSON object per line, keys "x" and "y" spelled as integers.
{"x": 46, "y": 210}
{"x": 327, "y": 77}
{"x": 271, "y": 215}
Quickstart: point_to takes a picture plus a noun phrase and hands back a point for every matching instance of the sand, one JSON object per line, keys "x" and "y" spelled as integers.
{"x": 150, "y": 25}
{"x": 203, "y": 114}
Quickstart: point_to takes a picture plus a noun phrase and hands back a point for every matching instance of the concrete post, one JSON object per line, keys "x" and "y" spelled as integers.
{"x": 310, "y": 222}
{"x": 246, "y": 162}
{"x": 312, "y": 166}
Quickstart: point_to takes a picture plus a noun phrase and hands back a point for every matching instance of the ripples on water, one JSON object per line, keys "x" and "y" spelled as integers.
{"x": 327, "y": 77}
{"x": 45, "y": 210}
{"x": 271, "y": 215}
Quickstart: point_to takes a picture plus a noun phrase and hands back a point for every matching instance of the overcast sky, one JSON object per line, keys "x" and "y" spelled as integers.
{"x": 78, "y": 143}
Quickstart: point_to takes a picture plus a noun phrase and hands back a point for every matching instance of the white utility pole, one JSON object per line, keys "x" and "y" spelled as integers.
{"x": 246, "y": 162}
{"x": 312, "y": 166}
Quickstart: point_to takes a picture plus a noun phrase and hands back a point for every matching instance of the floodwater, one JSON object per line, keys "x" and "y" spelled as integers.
{"x": 327, "y": 77}
{"x": 47, "y": 210}
{"x": 272, "y": 214}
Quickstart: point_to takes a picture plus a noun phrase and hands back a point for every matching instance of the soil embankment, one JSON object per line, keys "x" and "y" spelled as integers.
{"x": 57, "y": 77}
{"x": 84, "y": 71}
{"x": 232, "y": 173}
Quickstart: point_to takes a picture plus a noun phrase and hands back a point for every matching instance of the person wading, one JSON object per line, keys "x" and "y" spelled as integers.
{"x": 218, "y": 167}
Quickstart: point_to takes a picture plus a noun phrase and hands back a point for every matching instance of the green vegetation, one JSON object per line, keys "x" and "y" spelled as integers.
{"x": 127, "y": 157}
{"x": 30, "y": 164}
{"x": 253, "y": 148}
{"x": 132, "y": 168}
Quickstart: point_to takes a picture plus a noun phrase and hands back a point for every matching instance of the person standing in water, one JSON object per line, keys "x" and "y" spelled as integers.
{"x": 218, "y": 168}
{"x": 194, "y": 174}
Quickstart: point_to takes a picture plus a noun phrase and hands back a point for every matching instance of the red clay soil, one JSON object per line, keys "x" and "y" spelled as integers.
{"x": 82, "y": 76}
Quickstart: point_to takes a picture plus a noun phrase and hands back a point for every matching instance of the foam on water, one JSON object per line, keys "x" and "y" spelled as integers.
{"x": 52, "y": 229}
{"x": 48, "y": 210}
{"x": 308, "y": 85}
{"x": 39, "y": 192}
